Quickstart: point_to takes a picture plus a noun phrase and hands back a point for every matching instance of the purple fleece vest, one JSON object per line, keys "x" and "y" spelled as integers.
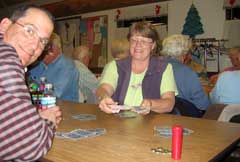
{"x": 151, "y": 81}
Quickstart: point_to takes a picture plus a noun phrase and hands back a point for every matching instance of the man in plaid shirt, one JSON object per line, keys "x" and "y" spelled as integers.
{"x": 26, "y": 134}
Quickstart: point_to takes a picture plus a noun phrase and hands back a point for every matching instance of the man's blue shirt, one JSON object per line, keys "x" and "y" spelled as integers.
{"x": 62, "y": 73}
{"x": 227, "y": 89}
{"x": 188, "y": 84}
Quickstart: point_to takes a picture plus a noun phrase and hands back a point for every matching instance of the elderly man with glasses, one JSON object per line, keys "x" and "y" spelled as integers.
{"x": 58, "y": 69}
{"x": 25, "y": 133}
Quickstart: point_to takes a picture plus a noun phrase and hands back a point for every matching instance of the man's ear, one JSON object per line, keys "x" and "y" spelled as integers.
{"x": 5, "y": 24}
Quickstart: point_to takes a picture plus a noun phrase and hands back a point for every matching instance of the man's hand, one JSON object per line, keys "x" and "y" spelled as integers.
{"x": 52, "y": 114}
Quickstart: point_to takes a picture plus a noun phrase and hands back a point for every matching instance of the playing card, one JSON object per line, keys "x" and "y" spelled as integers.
{"x": 84, "y": 117}
{"x": 115, "y": 108}
{"x": 75, "y": 135}
{"x": 167, "y": 131}
{"x": 60, "y": 135}
{"x": 139, "y": 109}
{"x": 125, "y": 107}
{"x": 97, "y": 131}
{"x": 127, "y": 114}
{"x": 81, "y": 133}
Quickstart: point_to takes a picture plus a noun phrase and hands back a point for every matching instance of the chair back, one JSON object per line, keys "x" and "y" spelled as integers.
{"x": 230, "y": 113}
{"x": 186, "y": 108}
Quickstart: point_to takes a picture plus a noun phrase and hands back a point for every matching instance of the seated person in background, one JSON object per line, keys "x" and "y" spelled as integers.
{"x": 138, "y": 80}
{"x": 120, "y": 49}
{"x": 227, "y": 89}
{"x": 87, "y": 81}
{"x": 176, "y": 47}
{"x": 198, "y": 68}
{"x": 58, "y": 70}
{"x": 25, "y": 133}
{"x": 234, "y": 55}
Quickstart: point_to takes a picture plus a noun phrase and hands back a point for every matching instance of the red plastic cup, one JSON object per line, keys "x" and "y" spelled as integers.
{"x": 177, "y": 142}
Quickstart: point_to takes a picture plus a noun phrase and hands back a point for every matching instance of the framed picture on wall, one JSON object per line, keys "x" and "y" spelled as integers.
{"x": 68, "y": 30}
{"x": 93, "y": 33}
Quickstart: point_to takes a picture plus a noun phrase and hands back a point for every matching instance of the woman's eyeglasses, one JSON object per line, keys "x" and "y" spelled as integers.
{"x": 144, "y": 42}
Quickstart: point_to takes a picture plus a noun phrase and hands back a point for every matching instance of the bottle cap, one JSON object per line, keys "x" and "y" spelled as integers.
{"x": 43, "y": 79}
{"x": 34, "y": 86}
{"x": 48, "y": 86}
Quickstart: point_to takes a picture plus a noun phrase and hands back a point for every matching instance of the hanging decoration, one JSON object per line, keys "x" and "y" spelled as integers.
{"x": 193, "y": 25}
{"x": 157, "y": 10}
{"x": 118, "y": 14}
{"x": 231, "y": 2}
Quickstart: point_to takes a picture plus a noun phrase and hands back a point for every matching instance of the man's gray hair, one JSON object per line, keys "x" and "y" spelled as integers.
{"x": 176, "y": 45}
{"x": 80, "y": 52}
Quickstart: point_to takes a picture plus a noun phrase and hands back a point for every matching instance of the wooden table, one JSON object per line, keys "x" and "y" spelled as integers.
{"x": 131, "y": 139}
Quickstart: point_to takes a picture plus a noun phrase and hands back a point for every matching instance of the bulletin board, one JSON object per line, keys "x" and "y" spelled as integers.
{"x": 93, "y": 33}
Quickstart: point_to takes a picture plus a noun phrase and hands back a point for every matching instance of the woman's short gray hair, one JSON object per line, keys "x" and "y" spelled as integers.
{"x": 176, "y": 45}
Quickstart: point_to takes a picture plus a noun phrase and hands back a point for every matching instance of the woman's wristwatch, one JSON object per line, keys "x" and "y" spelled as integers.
{"x": 100, "y": 98}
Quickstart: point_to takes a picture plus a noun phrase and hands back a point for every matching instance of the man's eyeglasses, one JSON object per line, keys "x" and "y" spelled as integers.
{"x": 48, "y": 47}
{"x": 145, "y": 42}
{"x": 31, "y": 33}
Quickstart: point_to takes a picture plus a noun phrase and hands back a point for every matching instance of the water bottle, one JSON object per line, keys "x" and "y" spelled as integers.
{"x": 48, "y": 99}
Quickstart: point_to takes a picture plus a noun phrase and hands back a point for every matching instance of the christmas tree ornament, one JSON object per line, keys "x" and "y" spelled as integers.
{"x": 193, "y": 25}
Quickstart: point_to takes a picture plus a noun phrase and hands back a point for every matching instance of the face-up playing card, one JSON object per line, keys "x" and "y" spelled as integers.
{"x": 84, "y": 117}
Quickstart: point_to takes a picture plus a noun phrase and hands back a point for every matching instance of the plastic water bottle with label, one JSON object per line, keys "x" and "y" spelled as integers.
{"x": 49, "y": 99}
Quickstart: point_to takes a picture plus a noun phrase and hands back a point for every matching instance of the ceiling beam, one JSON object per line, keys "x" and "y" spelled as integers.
{"x": 9, "y": 9}
{"x": 36, "y": 2}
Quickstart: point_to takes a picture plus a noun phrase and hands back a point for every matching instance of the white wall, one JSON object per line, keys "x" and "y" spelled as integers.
{"x": 211, "y": 12}
{"x": 212, "y": 17}
{"x": 127, "y": 12}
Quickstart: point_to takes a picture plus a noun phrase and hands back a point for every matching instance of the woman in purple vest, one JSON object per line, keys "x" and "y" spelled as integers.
{"x": 139, "y": 80}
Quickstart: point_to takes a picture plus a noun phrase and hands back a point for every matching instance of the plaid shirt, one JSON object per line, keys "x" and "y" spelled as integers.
{"x": 24, "y": 135}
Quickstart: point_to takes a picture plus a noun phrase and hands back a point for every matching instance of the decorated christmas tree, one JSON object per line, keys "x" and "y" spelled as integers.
{"x": 193, "y": 25}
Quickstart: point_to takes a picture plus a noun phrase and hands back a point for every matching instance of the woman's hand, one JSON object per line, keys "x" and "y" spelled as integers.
{"x": 147, "y": 104}
{"x": 105, "y": 104}
{"x": 104, "y": 91}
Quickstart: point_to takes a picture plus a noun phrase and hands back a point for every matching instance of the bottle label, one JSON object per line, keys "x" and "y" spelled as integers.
{"x": 48, "y": 102}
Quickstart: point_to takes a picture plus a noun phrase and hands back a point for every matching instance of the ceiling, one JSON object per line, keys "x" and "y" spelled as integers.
{"x": 61, "y": 8}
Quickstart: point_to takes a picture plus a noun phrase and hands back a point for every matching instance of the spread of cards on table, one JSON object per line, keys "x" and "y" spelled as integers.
{"x": 81, "y": 133}
{"x": 137, "y": 109}
{"x": 167, "y": 131}
{"x": 84, "y": 117}
{"x": 126, "y": 114}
